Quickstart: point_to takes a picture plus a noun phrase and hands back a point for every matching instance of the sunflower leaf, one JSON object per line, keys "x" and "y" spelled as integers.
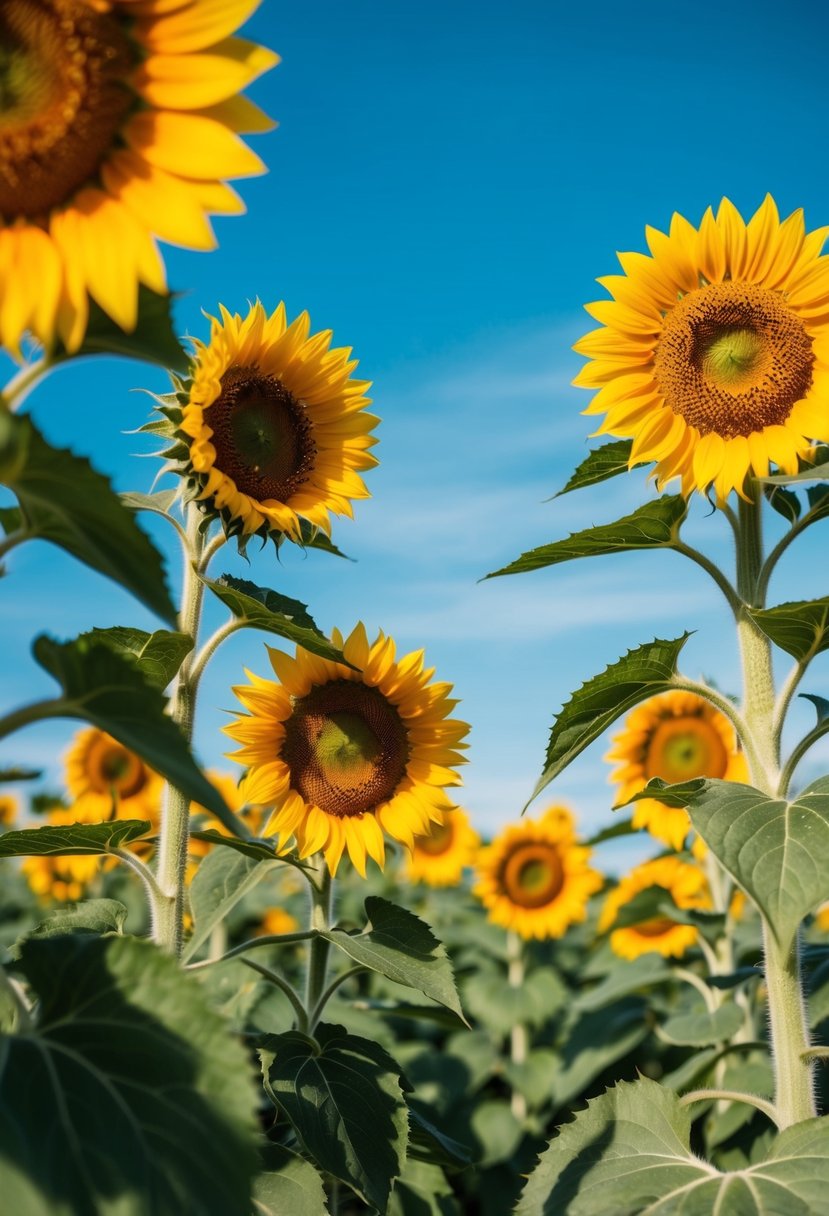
{"x": 133, "y": 1074}
{"x": 73, "y": 839}
{"x": 261, "y": 608}
{"x": 107, "y": 690}
{"x": 158, "y": 655}
{"x": 704, "y": 1027}
{"x": 639, "y": 674}
{"x": 63, "y": 500}
{"x": 290, "y": 1184}
{"x": 153, "y": 340}
{"x": 777, "y": 850}
{"x": 343, "y": 1096}
{"x": 159, "y": 503}
{"x": 607, "y": 461}
{"x": 222, "y": 879}
{"x": 629, "y": 1151}
{"x": 652, "y": 526}
{"x": 800, "y": 628}
{"x": 8, "y": 775}
{"x": 402, "y": 947}
{"x": 821, "y": 709}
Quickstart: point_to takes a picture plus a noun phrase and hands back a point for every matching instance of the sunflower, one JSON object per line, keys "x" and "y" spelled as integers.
{"x": 110, "y": 780}
{"x": 8, "y": 810}
{"x": 118, "y": 124}
{"x": 687, "y": 887}
{"x": 713, "y": 354}
{"x": 676, "y": 736}
{"x": 64, "y": 878}
{"x": 276, "y": 430}
{"x": 534, "y": 878}
{"x": 440, "y": 857}
{"x": 276, "y": 922}
{"x": 342, "y": 755}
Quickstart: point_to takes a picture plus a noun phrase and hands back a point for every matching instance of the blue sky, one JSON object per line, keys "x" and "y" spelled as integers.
{"x": 446, "y": 182}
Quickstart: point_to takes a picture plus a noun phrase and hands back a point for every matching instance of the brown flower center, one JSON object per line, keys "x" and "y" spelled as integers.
{"x": 262, "y": 435}
{"x": 114, "y": 768}
{"x": 62, "y": 100}
{"x": 683, "y": 748}
{"x": 657, "y": 926}
{"x": 346, "y": 748}
{"x": 533, "y": 875}
{"x": 733, "y": 359}
{"x": 439, "y": 840}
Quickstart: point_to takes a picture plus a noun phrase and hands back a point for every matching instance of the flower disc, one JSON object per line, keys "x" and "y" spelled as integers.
{"x": 440, "y": 857}
{"x": 686, "y": 886}
{"x": 534, "y": 879}
{"x": 343, "y": 754}
{"x": 118, "y": 124}
{"x": 713, "y": 354}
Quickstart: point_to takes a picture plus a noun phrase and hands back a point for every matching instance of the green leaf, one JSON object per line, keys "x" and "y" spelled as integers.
{"x": 784, "y": 502}
{"x": 778, "y": 851}
{"x": 652, "y": 526}
{"x": 130, "y": 1097}
{"x": 629, "y": 1153}
{"x": 158, "y": 503}
{"x": 402, "y": 947}
{"x": 342, "y": 1095}
{"x": 535, "y": 1076}
{"x": 604, "y": 462}
{"x": 639, "y": 674}
{"x": 290, "y": 1187}
{"x": 623, "y": 827}
{"x": 422, "y": 1190}
{"x": 596, "y": 1041}
{"x": 261, "y": 850}
{"x": 821, "y": 708}
{"x": 625, "y": 977}
{"x": 261, "y": 608}
{"x": 97, "y": 916}
{"x": 428, "y": 1143}
{"x": 158, "y": 655}
{"x": 63, "y": 500}
{"x": 153, "y": 340}
{"x": 73, "y": 839}
{"x": 700, "y": 1029}
{"x": 497, "y": 1131}
{"x": 800, "y": 628}
{"x": 11, "y": 519}
{"x": 10, "y": 775}
{"x": 107, "y": 690}
{"x": 222, "y": 879}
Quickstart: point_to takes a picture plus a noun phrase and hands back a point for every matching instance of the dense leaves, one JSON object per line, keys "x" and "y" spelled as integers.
{"x": 223, "y": 878}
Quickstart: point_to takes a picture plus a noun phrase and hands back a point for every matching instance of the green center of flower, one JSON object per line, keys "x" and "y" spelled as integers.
{"x": 346, "y": 748}
{"x": 683, "y": 748}
{"x": 120, "y": 770}
{"x": 62, "y": 100}
{"x": 533, "y": 875}
{"x": 262, "y": 435}
{"x": 439, "y": 840}
{"x": 733, "y": 358}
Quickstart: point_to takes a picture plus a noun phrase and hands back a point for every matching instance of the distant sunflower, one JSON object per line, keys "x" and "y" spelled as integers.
{"x": 275, "y": 922}
{"x": 8, "y": 810}
{"x": 440, "y": 857}
{"x": 58, "y": 877}
{"x": 676, "y": 736}
{"x": 110, "y": 779}
{"x": 534, "y": 879}
{"x": 713, "y": 354}
{"x": 686, "y": 886}
{"x": 276, "y": 429}
{"x": 118, "y": 124}
{"x": 343, "y": 755}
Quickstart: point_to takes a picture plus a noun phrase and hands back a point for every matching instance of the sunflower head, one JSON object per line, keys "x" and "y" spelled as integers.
{"x": 687, "y": 887}
{"x": 344, "y": 754}
{"x": 676, "y": 736}
{"x": 713, "y": 352}
{"x": 119, "y": 123}
{"x": 534, "y": 879}
{"x": 110, "y": 779}
{"x": 440, "y": 857}
{"x": 271, "y": 431}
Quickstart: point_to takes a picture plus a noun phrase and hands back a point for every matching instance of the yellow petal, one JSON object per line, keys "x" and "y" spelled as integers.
{"x": 193, "y": 82}
{"x": 190, "y": 145}
{"x": 196, "y": 26}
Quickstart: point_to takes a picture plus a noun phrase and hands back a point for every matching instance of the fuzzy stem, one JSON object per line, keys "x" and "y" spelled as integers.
{"x": 321, "y": 889}
{"x": 518, "y": 1034}
{"x": 793, "y": 1084}
{"x": 175, "y": 819}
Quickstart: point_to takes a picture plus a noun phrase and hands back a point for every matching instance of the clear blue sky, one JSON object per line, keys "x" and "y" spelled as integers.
{"x": 446, "y": 182}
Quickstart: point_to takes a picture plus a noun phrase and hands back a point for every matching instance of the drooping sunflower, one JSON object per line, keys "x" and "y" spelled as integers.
{"x": 713, "y": 353}
{"x": 343, "y": 755}
{"x": 110, "y": 779}
{"x": 685, "y": 883}
{"x": 275, "y": 427}
{"x": 119, "y": 123}
{"x": 676, "y": 736}
{"x": 534, "y": 879}
{"x": 440, "y": 857}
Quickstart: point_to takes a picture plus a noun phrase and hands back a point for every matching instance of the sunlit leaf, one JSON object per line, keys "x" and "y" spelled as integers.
{"x": 222, "y": 879}
{"x": 73, "y": 839}
{"x": 607, "y": 461}
{"x": 800, "y": 628}
{"x": 158, "y": 655}
{"x": 290, "y": 1186}
{"x": 97, "y": 916}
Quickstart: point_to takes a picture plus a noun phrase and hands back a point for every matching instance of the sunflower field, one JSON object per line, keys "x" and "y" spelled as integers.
{"x": 293, "y": 972}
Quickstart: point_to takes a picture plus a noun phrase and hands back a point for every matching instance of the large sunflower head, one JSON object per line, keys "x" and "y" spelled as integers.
{"x": 344, "y": 754}
{"x": 687, "y": 887}
{"x": 440, "y": 857}
{"x": 109, "y": 779}
{"x": 534, "y": 879}
{"x": 272, "y": 431}
{"x": 119, "y": 123}
{"x": 675, "y": 736}
{"x": 713, "y": 353}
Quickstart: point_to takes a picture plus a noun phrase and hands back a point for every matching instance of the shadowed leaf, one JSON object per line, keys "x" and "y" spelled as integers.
{"x": 158, "y": 655}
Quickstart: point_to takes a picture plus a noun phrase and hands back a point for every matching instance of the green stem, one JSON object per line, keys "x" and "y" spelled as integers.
{"x": 321, "y": 902}
{"x": 211, "y": 646}
{"x": 13, "y": 539}
{"x": 317, "y": 1011}
{"x": 713, "y": 571}
{"x": 518, "y": 1044}
{"x": 284, "y": 939}
{"x": 19, "y": 718}
{"x": 793, "y": 1087}
{"x": 731, "y": 1095}
{"x": 278, "y": 982}
{"x": 175, "y": 819}
{"x": 22, "y": 383}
